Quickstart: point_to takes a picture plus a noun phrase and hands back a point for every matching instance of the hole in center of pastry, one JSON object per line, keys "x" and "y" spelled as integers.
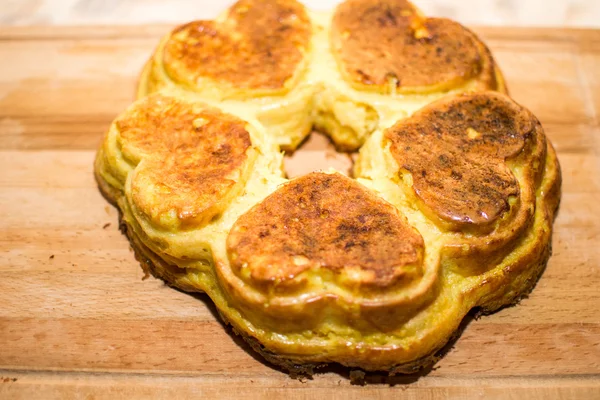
{"x": 318, "y": 153}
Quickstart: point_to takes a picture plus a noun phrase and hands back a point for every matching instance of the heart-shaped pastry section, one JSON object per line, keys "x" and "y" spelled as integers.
{"x": 387, "y": 45}
{"x": 257, "y": 45}
{"x": 455, "y": 151}
{"x": 190, "y": 158}
{"x": 324, "y": 224}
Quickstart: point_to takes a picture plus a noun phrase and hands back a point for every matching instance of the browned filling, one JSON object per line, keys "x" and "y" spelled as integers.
{"x": 259, "y": 46}
{"x": 455, "y": 150}
{"x": 323, "y": 221}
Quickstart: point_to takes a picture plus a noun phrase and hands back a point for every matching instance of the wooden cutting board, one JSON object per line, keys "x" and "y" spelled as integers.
{"x": 78, "y": 321}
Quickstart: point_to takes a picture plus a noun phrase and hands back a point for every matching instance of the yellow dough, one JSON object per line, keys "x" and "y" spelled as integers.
{"x": 451, "y": 208}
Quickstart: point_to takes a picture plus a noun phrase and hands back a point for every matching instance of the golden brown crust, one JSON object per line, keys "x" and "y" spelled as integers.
{"x": 189, "y": 153}
{"x": 324, "y": 221}
{"x": 456, "y": 150}
{"x": 259, "y": 45}
{"x": 383, "y": 43}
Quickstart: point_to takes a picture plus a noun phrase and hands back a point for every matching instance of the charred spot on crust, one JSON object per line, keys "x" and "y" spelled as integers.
{"x": 459, "y": 146}
{"x": 325, "y": 221}
{"x": 259, "y": 45}
{"x": 185, "y": 163}
{"x": 390, "y": 39}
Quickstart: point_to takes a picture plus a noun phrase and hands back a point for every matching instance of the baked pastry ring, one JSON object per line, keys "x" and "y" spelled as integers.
{"x": 451, "y": 209}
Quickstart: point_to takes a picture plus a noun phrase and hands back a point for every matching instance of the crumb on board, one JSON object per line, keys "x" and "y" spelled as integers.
{"x": 357, "y": 377}
{"x": 51, "y": 257}
{"x": 106, "y": 225}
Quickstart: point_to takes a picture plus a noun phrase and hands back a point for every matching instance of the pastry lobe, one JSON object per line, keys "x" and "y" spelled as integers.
{"x": 456, "y": 152}
{"x": 189, "y": 160}
{"x": 256, "y": 48}
{"x": 323, "y": 244}
{"x": 473, "y": 164}
{"x": 388, "y": 46}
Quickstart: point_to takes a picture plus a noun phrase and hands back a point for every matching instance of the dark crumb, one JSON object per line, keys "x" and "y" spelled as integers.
{"x": 146, "y": 266}
{"x": 357, "y": 377}
{"x": 5, "y": 380}
{"x": 106, "y": 225}
{"x": 51, "y": 257}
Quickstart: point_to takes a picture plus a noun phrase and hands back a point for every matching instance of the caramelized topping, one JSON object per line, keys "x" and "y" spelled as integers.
{"x": 387, "y": 42}
{"x": 258, "y": 46}
{"x": 455, "y": 149}
{"x": 324, "y": 222}
{"x": 189, "y": 155}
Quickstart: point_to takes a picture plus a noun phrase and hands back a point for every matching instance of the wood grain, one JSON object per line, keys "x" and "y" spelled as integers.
{"x": 78, "y": 321}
